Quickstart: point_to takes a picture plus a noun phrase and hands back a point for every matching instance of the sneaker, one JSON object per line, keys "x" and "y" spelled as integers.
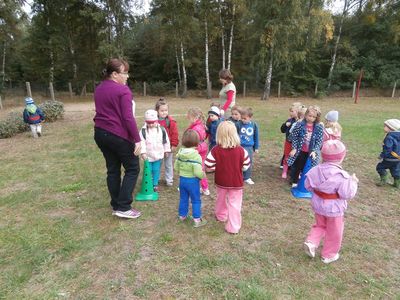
{"x": 249, "y": 181}
{"x": 156, "y": 188}
{"x": 113, "y": 212}
{"x": 206, "y": 192}
{"x": 170, "y": 183}
{"x": 280, "y": 167}
{"x": 294, "y": 185}
{"x": 199, "y": 222}
{"x": 329, "y": 260}
{"x": 129, "y": 214}
{"x": 180, "y": 218}
{"x": 39, "y": 134}
{"x": 309, "y": 248}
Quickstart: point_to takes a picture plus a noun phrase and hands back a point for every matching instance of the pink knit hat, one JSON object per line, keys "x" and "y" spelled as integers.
{"x": 333, "y": 151}
{"x": 150, "y": 116}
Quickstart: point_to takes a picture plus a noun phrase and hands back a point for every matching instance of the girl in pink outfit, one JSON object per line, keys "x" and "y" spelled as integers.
{"x": 228, "y": 159}
{"x": 196, "y": 120}
{"x": 331, "y": 187}
{"x": 332, "y": 129}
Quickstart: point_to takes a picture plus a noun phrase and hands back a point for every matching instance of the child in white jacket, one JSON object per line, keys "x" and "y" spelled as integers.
{"x": 155, "y": 143}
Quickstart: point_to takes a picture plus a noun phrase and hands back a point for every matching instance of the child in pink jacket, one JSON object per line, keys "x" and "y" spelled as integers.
{"x": 331, "y": 187}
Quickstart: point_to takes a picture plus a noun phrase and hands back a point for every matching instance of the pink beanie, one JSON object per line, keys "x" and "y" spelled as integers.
{"x": 150, "y": 116}
{"x": 333, "y": 151}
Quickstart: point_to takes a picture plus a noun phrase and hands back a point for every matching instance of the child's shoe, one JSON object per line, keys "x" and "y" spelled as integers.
{"x": 249, "y": 181}
{"x": 206, "y": 192}
{"x": 199, "y": 222}
{"x": 294, "y": 185}
{"x": 384, "y": 180}
{"x": 396, "y": 183}
{"x": 156, "y": 189}
{"x": 310, "y": 248}
{"x": 330, "y": 260}
{"x": 170, "y": 183}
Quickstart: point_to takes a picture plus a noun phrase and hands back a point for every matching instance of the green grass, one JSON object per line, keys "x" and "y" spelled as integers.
{"x": 58, "y": 238}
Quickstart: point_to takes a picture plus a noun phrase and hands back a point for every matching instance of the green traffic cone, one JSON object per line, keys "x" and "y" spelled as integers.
{"x": 146, "y": 192}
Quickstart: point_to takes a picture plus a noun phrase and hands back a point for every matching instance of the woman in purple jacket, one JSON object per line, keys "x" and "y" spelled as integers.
{"x": 117, "y": 136}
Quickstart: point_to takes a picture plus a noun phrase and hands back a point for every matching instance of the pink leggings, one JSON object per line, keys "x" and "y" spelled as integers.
{"x": 330, "y": 228}
{"x": 204, "y": 181}
{"x": 228, "y": 208}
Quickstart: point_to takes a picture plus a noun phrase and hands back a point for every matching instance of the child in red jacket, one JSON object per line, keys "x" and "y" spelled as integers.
{"x": 171, "y": 127}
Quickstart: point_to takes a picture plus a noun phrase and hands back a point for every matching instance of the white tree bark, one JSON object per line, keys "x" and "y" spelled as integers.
{"x": 184, "y": 92}
{"x": 206, "y": 60}
{"x": 3, "y": 65}
{"x": 268, "y": 79}
{"x": 222, "y": 34}
{"x": 231, "y": 38}
{"x": 345, "y": 9}
{"x": 178, "y": 66}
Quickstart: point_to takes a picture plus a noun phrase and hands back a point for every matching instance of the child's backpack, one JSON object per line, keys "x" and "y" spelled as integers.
{"x": 164, "y": 134}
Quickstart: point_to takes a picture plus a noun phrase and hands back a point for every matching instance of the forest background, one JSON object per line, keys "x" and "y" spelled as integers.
{"x": 299, "y": 43}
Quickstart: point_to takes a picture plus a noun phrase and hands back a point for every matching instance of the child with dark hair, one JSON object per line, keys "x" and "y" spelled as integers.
{"x": 214, "y": 121}
{"x": 188, "y": 164}
{"x": 248, "y": 134}
{"x": 227, "y": 95}
{"x": 235, "y": 114}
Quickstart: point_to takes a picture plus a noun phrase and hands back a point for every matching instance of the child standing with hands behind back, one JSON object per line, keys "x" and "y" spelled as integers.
{"x": 188, "y": 164}
{"x": 331, "y": 187}
{"x": 196, "y": 123}
{"x": 169, "y": 124}
{"x": 228, "y": 159}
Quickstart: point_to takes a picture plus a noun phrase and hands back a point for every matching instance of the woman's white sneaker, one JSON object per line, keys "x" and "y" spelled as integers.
{"x": 129, "y": 214}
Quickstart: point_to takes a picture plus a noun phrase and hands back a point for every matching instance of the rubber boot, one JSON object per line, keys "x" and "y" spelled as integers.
{"x": 384, "y": 180}
{"x": 396, "y": 183}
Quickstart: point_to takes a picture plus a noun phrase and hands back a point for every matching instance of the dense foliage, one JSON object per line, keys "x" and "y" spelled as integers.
{"x": 300, "y": 43}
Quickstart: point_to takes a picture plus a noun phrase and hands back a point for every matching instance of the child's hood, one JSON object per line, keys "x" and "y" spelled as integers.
{"x": 31, "y": 108}
{"x": 325, "y": 176}
{"x": 188, "y": 154}
{"x": 395, "y": 135}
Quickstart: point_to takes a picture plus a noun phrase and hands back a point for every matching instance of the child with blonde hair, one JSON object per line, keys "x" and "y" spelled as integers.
{"x": 332, "y": 129}
{"x": 307, "y": 139}
{"x": 229, "y": 160}
{"x": 169, "y": 124}
{"x": 196, "y": 122}
{"x": 154, "y": 144}
{"x": 188, "y": 164}
{"x": 285, "y": 128}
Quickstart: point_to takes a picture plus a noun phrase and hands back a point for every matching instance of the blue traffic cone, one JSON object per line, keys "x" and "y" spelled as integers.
{"x": 300, "y": 191}
{"x": 147, "y": 192}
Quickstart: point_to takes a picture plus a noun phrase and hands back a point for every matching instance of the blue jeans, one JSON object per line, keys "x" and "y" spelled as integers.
{"x": 118, "y": 152}
{"x": 393, "y": 166}
{"x": 155, "y": 167}
{"x": 189, "y": 188}
{"x": 247, "y": 173}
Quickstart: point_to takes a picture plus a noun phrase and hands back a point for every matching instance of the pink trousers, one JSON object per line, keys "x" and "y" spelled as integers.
{"x": 330, "y": 228}
{"x": 228, "y": 208}
{"x": 204, "y": 181}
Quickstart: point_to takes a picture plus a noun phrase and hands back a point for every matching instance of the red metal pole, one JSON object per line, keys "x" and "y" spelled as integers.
{"x": 358, "y": 86}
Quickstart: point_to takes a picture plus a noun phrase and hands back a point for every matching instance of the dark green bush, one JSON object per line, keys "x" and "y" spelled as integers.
{"x": 14, "y": 123}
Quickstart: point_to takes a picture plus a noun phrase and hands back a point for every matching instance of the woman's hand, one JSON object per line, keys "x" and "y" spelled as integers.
{"x": 138, "y": 147}
{"x": 292, "y": 153}
{"x": 144, "y": 156}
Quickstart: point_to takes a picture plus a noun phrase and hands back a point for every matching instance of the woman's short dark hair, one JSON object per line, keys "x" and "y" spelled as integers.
{"x": 226, "y": 74}
{"x": 114, "y": 65}
{"x": 190, "y": 138}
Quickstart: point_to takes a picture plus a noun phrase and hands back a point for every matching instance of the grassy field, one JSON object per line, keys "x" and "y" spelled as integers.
{"x": 59, "y": 241}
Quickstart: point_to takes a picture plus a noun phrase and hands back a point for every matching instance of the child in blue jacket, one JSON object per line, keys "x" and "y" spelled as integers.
{"x": 33, "y": 116}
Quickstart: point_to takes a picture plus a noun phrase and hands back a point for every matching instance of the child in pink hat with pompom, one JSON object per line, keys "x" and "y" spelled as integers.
{"x": 331, "y": 187}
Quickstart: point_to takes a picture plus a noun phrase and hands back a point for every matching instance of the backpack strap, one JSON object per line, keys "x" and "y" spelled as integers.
{"x": 164, "y": 134}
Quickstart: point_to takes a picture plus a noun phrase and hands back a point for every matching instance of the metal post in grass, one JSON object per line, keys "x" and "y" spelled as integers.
{"x": 70, "y": 90}
{"x": 279, "y": 89}
{"x": 51, "y": 91}
{"x": 244, "y": 89}
{"x": 358, "y": 86}
{"x": 144, "y": 89}
{"x": 394, "y": 89}
{"x": 176, "y": 89}
{"x": 354, "y": 89}
{"x": 316, "y": 89}
{"x": 1, "y": 103}
{"x": 28, "y": 89}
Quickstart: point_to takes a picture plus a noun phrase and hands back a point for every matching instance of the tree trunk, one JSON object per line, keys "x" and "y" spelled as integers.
{"x": 267, "y": 87}
{"x": 231, "y": 38}
{"x": 3, "y": 66}
{"x": 310, "y": 4}
{"x": 222, "y": 34}
{"x": 346, "y": 4}
{"x": 184, "y": 92}
{"x": 178, "y": 66}
{"x": 74, "y": 65}
{"x": 206, "y": 62}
